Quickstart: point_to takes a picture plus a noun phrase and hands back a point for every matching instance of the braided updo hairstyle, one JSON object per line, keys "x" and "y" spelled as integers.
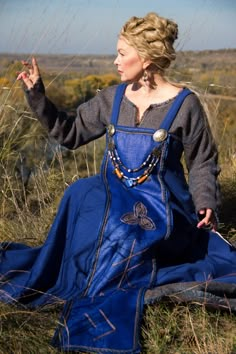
{"x": 153, "y": 38}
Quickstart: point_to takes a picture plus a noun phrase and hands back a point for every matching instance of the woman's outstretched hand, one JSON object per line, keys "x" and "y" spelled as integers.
{"x": 30, "y": 76}
{"x": 208, "y": 219}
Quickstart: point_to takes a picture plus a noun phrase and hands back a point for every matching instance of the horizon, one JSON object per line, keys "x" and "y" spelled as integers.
{"x": 109, "y": 54}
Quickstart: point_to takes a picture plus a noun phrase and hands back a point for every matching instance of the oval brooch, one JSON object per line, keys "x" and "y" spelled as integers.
{"x": 160, "y": 135}
{"x": 111, "y": 129}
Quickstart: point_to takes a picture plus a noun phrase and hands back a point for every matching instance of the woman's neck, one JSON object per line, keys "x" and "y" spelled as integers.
{"x": 157, "y": 86}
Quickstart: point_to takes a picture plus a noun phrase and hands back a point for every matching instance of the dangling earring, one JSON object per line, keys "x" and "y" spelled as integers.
{"x": 145, "y": 76}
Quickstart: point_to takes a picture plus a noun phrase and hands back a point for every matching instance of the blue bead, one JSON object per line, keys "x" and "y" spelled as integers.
{"x": 129, "y": 183}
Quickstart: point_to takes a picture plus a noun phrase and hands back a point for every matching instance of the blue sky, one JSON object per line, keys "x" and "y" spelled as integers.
{"x": 92, "y": 26}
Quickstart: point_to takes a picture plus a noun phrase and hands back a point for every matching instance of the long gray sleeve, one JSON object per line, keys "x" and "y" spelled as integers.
{"x": 69, "y": 131}
{"x": 202, "y": 162}
{"x": 201, "y": 156}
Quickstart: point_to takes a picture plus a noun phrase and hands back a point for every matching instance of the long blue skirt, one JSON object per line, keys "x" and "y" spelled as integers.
{"x": 191, "y": 263}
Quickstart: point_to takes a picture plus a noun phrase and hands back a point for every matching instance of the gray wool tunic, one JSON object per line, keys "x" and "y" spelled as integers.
{"x": 190, "y": 127}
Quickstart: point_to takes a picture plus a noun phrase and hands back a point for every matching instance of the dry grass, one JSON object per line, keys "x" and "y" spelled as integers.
{"x": 26, "y": 332}
{"x": 188, "y": 329}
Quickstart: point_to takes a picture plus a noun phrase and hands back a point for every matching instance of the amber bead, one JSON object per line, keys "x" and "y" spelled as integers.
{"x": 118, "y": 173}
{"x": 142, "y": 179}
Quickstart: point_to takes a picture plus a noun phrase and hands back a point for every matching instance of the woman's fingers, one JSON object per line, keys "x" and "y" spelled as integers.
{"x": 35, "y": 67}
{"x": 27, "y": 65}
{"x": 204, "y": 223}
{"x": 23, "y": 76}
{"x": 208, "y": 219}
{"x": 29, "y": 78}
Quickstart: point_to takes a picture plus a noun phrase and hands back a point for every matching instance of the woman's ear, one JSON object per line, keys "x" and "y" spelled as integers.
{"x": 146, "y": 64}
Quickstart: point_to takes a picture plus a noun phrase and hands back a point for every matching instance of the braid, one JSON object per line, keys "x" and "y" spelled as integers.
{"x": 153, "y": 37}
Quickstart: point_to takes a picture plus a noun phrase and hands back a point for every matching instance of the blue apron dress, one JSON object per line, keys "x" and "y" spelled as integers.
{"x": 117, "y": 234}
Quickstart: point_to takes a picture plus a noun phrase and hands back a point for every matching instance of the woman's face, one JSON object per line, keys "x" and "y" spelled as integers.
{"x": 128, "y": 62}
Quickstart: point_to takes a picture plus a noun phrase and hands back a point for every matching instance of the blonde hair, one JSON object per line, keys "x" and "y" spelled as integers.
{"x": 153, "y": 38}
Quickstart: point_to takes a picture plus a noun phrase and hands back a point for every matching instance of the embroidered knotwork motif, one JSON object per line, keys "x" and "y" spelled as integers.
{"x": 139, "y": 217}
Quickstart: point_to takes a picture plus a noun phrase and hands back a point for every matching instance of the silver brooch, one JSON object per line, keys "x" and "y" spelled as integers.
{"x": 111, "y": 129}
{"x": 160, "y": 135}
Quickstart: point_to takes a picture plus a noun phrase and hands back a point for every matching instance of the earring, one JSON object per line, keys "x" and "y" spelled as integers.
{"x": 145, "y": 76}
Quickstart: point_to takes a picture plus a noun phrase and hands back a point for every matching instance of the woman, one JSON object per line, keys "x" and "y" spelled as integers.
{"x": 137, "y": 224}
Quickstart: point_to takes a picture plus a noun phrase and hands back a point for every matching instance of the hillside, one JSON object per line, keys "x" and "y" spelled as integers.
{"x": 97, "y": 64}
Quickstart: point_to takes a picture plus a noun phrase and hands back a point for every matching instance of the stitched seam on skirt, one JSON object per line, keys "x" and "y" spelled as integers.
{"x": 164, "y": 189}
{"x": 102, "y": 228}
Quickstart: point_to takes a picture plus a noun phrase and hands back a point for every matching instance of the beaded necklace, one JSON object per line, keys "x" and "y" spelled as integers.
{"x": 147, "y": 166}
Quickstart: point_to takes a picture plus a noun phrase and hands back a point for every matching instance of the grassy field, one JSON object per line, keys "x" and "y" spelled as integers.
{"x": 35, "y": 172}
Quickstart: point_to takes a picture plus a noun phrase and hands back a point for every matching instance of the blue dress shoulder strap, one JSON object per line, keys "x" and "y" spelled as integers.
{"x": 171, "y": 114}
{"x": 116, "y": 103}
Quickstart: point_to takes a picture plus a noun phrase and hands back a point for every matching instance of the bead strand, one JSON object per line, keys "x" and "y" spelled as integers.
{"x": 151, "y": 161}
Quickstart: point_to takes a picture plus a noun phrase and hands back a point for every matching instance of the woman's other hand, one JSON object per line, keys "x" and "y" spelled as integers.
{"x": 31, "y": 76}
{"x": 207, "y": 219}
